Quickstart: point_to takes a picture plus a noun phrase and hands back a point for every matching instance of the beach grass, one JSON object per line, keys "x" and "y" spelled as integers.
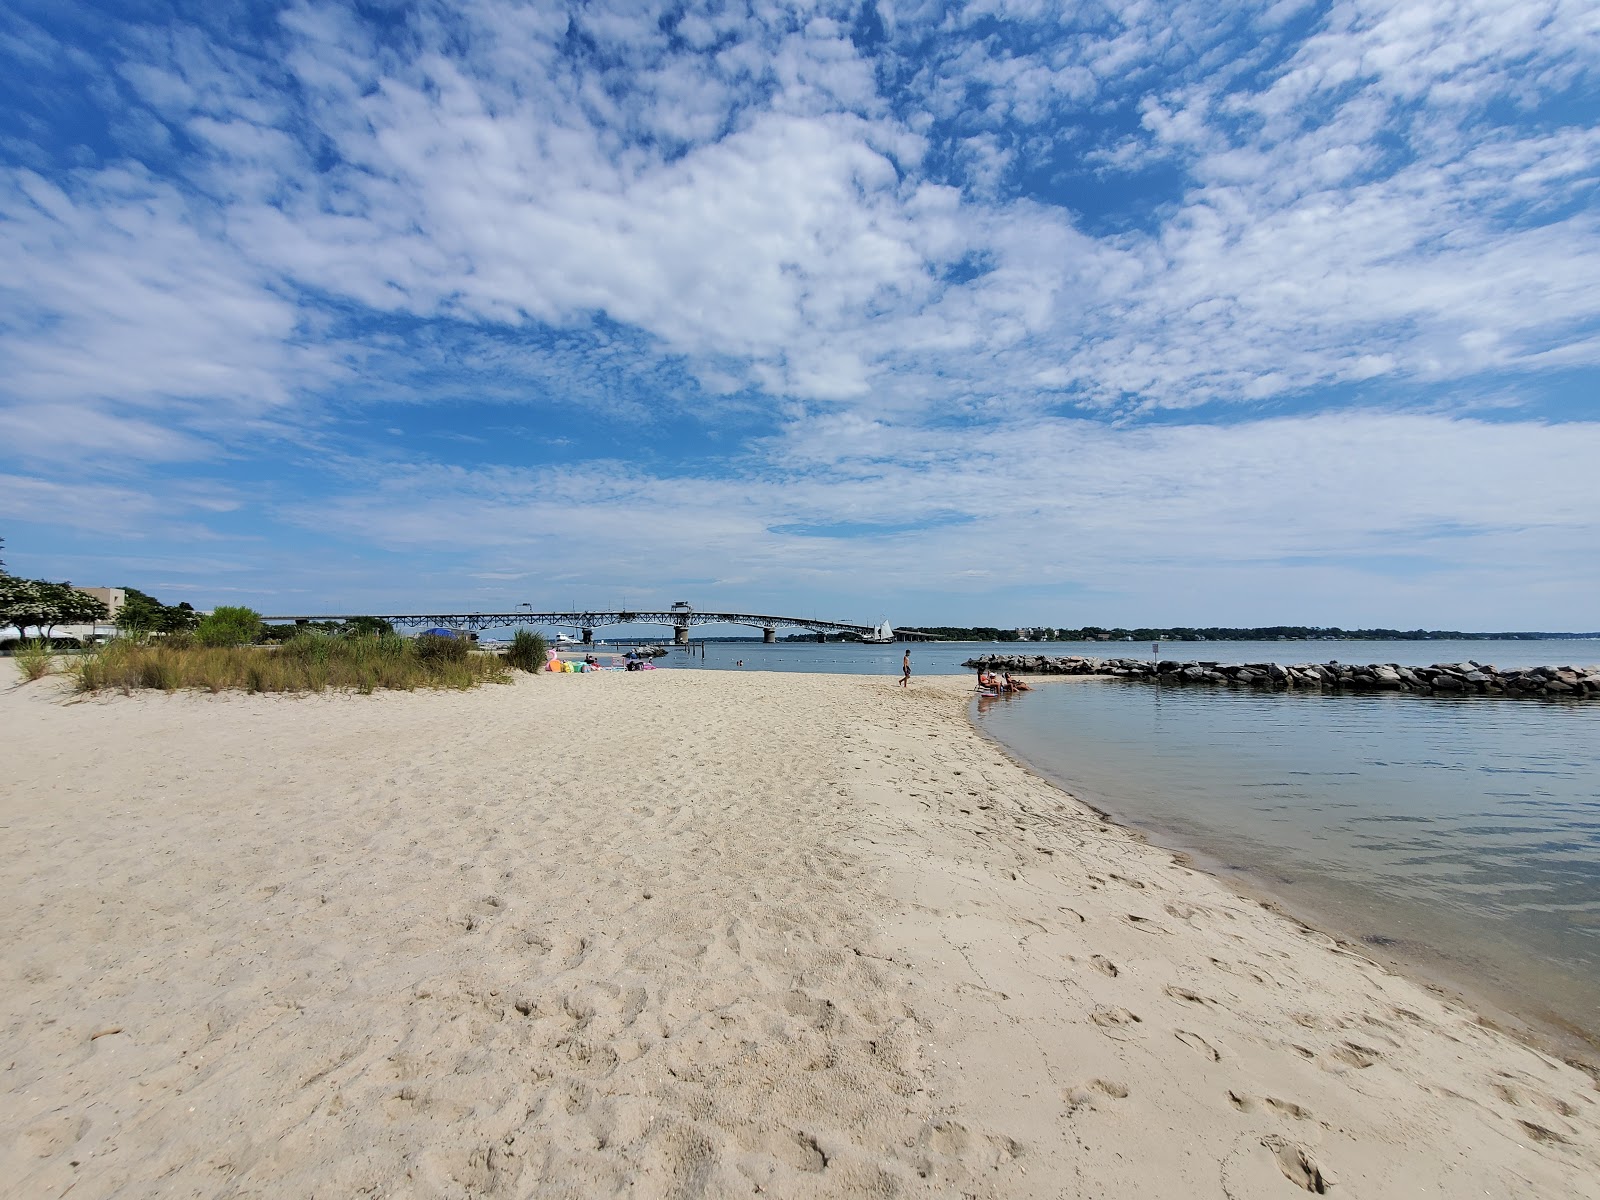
{"x": 34, "y": 659}
{"x": 308, "y": 662}
{"x": 527, "y": 651}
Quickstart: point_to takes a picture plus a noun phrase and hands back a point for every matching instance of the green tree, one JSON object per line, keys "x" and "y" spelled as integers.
{"x": 42, "y": 605}
{"x": 229, "y": 625}
{"x": 20, "y": 602}
{"x": 140, "y": 614}
{"x": 178, "y": 618}
{"x": 66, "y": 605}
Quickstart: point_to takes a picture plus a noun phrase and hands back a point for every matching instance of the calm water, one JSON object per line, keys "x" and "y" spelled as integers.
{"x": 1462, "y": 837}
{"x": 944, "y": 658}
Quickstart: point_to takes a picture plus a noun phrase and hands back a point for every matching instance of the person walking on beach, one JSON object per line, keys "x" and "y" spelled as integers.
{"x": 905, "y": 670}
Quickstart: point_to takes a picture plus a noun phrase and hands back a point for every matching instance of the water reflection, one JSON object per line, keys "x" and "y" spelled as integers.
{"x": 987, "y": 700}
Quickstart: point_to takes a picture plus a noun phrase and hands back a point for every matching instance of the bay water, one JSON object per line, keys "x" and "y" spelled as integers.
{"x": 1459, "y": 838}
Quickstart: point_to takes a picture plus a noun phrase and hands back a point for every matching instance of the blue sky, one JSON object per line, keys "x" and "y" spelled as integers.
{"x": 1002, "y": 313}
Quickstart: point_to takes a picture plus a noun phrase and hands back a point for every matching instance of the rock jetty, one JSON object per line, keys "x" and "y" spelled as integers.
{"x": 1441, "y": 679}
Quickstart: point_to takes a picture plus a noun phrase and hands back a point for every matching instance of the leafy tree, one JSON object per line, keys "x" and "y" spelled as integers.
{"x": 43, "y": 605}
{"x": 20, "y": 602}
{"x": 230, "y": 625}
{"x": 140, "y": 614}
{"x": 179, "y": 618}
{"x": 66, "y": 605}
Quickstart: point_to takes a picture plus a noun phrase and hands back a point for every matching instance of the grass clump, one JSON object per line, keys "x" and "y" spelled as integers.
{"x": 34, "y": 660}
{"x": 527, "y": 652}
{"x": 308, "y": 662}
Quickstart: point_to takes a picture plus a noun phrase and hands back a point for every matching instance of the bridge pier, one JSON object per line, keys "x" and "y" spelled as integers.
{"x": 822, "y": 637}
{"x": 588, "y": 637}
{"x": 680, "y": 635}
{"x": 769, "y": 635}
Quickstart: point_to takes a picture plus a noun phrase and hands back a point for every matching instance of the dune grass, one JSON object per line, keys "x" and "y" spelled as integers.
{"x": 527, "y": 651}
{"x": 308, "y": 662}
{"x": 34, "y": 659}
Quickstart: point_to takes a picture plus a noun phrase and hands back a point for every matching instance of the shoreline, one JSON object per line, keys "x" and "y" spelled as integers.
{"x": 682, "y": 931}
{"x": 1517, "y": 1014}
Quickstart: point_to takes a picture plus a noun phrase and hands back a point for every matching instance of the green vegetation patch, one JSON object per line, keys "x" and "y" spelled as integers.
{"x": 308, "y": 662}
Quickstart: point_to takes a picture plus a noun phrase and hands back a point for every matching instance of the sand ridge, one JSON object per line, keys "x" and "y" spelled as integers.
{"x": 678, "y": 934}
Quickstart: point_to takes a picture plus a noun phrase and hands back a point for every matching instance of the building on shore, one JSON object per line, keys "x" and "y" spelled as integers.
{"x": 112, "y": 598}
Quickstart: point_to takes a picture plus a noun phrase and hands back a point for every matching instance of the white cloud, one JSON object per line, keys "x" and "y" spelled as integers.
{"x": 783, "y": 222}
{"x": 136, "y": 333}
{"x": 1192, "y": 523}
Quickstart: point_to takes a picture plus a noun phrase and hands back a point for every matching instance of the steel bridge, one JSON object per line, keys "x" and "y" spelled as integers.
{"x": 680, "y": 618}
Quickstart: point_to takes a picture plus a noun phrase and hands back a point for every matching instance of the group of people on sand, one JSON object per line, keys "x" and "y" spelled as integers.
{"x": 991, "y": 681}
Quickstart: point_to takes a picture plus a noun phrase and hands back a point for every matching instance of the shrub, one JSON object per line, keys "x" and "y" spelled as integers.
{"x": 229, "y": 625}
{"x": 528, "y": 651}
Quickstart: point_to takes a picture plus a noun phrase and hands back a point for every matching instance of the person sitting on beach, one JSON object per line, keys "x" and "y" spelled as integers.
{"x": 985, "y": 680}
{"x": 1015, "y": 685}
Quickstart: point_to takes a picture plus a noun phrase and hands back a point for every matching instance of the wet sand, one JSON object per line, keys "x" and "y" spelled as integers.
{"x": 681, "y": 933}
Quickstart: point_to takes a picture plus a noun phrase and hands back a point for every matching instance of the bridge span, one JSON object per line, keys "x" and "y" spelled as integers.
{"x": 680, "y": 618}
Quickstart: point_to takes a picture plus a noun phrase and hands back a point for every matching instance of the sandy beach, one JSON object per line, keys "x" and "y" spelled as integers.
{"x": 682, "y": 934}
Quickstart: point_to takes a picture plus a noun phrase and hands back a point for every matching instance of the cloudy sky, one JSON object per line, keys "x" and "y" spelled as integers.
{"x": 1006, "y": 312}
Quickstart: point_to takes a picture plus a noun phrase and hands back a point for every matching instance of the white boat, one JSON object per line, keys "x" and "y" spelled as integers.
{"x": 881, "y": 636}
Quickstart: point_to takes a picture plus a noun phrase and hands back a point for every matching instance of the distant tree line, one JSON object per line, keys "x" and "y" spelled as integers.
{"x": 354, "y": 627}
{"x": 1222, "y": 633}
{"x": 1269, "y": 633}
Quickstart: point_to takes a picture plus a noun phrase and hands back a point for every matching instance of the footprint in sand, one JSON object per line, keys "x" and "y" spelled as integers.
{"x": 1520, "y": 1092}
{"x": 51, "y": 1136}
{"x": 1105, "y": 966}
{"x": 1288, "y": 1108}
{"x": 1144, "y": 924}
{"x": 951, "y": 1139}
{"x": 1298, "y": 1165}
{"x": 1542, "y": 1135}
{"x": 1354, "y": 1055}
{"x": 1113, "y": 1017}
{"x": 1198, "y": 1044}
{"x": 1089, "y": 1096}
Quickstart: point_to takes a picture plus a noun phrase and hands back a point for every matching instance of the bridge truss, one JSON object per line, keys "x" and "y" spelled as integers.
{"x": 680, "y": 619}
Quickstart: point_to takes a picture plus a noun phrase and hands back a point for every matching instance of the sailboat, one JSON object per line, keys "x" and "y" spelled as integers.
{"x": 881, "y": 636}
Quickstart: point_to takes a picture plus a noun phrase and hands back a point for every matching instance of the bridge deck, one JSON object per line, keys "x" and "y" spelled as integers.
{"x": 678, "y": 619}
